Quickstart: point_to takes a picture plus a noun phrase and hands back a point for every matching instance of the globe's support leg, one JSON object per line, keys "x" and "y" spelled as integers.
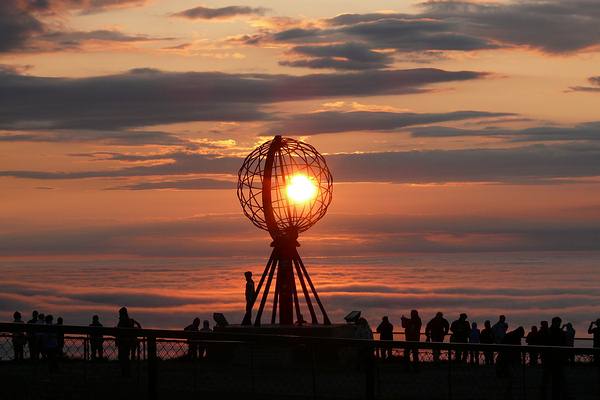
{"x": 311, "y": 310}
{"x": 326, "y": 320}
{"x": 284, "y": 260}
{"x": 299, "y": 316}
{"x": 266, "y": 291}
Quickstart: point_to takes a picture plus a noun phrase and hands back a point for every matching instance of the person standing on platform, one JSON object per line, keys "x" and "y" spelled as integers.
{"x": 487, "y": 337}
{"x": 595, "y": 331}
{"x": 412, "y": 332}
{"x": 96, "y": 340}
{"x": 500, "y": 329}
{"x": 386, "y": 332}
{"x": 435, "y": 331}
{"x": 34, "y": 348}
{"x": 533, "y": 339}
{"x": 18, "y": 338}
{"x": 250, "y": 293}
{"x": 460, "y": 329}
{"x": 192, "y": 342}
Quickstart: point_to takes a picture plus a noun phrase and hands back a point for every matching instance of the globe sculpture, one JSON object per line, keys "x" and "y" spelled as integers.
{"x": 285, "y": 187}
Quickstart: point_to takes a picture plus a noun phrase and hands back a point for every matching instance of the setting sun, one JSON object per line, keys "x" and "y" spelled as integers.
{"x": 301, "y": 189}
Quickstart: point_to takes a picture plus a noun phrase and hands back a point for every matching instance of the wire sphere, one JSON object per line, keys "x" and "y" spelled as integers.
{"x": 272, "y": 179}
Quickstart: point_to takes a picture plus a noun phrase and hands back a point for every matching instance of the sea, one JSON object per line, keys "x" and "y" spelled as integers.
{"x": 169, "y": 293}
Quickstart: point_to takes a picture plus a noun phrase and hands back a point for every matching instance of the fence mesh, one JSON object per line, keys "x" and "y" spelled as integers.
{"x": 296, "y": 369}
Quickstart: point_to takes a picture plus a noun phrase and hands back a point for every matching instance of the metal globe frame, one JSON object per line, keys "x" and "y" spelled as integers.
{"x": 262, "y": 182}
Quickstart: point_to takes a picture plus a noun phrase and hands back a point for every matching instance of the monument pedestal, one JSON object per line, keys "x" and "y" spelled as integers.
{"x": 307, "y": 330}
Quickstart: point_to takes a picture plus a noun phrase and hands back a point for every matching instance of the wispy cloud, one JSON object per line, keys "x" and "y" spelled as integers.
{"x": 206, "y": 13}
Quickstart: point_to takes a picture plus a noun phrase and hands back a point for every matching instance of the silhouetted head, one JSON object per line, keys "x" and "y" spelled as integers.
{"x": 248, "y": 275}
{"x": 534, "y": 329}
{"x": 205, "y": 324}
{"x": 59, "y": 321}
{"x": 556, "y": 321}
{"x": 569, "y": 325}
{"x": 123, "y": 314}
{"x": 95, "y": 319}
{"x": 49, "y": 319}
{"x": 414, "y": 314}
{"x": 196, "y": 322}
{"x": 544, "y": 324}
{"x": 362, "y": 322}
{"x": 598, "y": 322}
{"x": 487, "y": 324}
{"x": 385, "y": 319}
{"x": 439, "y": 314}
{"x": 34, "y": 314}
{"x": 41, "y": 317}
{"x": 463, "y": 317}
{"x": 502, "y": 318}
{"x": 474, "y": 325}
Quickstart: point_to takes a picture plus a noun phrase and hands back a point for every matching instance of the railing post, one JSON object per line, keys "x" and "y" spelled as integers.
{"x": 313, "y": 370}
{"x": 252, "y": 372}
{"x": 449, "y": 373}
{"x": 370, "y": 371}
{"x": 524, "y": 372}
{"x": 152, "y": 369}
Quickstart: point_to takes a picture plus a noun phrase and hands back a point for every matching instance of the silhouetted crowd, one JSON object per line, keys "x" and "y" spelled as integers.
{"x": 463, "y": 331}
{"x": 49, "y": 344}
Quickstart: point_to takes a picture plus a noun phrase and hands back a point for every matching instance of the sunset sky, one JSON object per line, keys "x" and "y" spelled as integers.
{"x": 448, "y": 126}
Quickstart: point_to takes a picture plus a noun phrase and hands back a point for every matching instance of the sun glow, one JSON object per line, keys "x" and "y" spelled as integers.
{"x": 301, "y": 189}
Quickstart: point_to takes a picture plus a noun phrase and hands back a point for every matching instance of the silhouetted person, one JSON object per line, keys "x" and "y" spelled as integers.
{"x": 509, "y": 359}
{"x": 499, "y": 329}
{"x": 203, "y": 349}
{"x": 39, "y": 336}
{"x": 412, "y": 333}
{"x": 249, "y": 293}
{"x": 435, "y": 331}
{"x": 474, "y": 337}
{"x": 96, "y": 340}
{"x": 50, "y": 345}
{"x": 32, "y": 341}
{"x": 60, "y": 338}
{"x": 125, "y": 341}
{"x": 543, "y": 333}
{"x": 553, "y": 373}
{"x": 595, "y": 331}
{"x": 533, "y": 339}
{"x": 386, "y": 332}
{"x": 570, "y": 338}
{"x": 18, "y": 338}
{"x": 460, "y": 329}
{"x": 193, "y": 342}
{"x": 487, "y": 337}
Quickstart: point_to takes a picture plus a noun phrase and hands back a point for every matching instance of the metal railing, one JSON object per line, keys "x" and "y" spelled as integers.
{"x": 172, "y": 364}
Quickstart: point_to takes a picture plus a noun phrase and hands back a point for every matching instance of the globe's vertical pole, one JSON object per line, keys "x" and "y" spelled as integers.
{"x": 284, "y": 246}
{"x": 285, "y": 280}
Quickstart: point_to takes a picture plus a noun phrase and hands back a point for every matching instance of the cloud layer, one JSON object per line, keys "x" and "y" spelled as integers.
{"x": 552, "y": 26}
{"x": 143, "y": 97}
